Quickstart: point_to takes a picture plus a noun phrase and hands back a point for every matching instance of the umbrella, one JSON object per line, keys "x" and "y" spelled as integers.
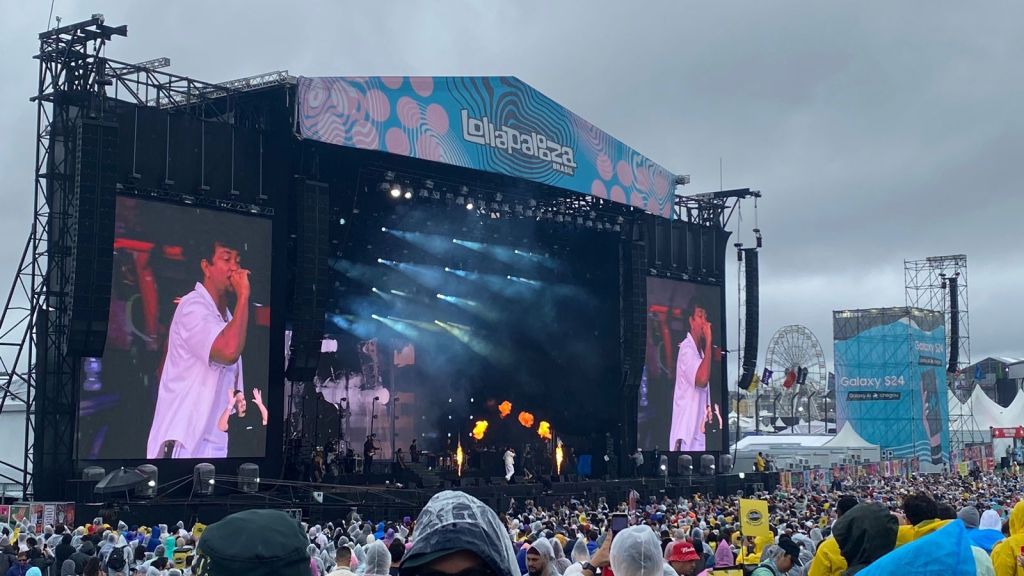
{"x": 120, "y": 480}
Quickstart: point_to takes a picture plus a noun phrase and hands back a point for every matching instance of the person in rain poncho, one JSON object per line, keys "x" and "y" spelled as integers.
{"x": 946, "y": 551}
{"x": 378, "y": 560}
{"x": 989, "y": 532}
{"x": 580, "y": 553}
{"x": 864, "y": 534}
{"x": 1004, "y": 554}
{"x": 635, "y": 551}
{"x": 456, "y": 532}
{"x": 540, "y": 559}
{"x": 561, "y": 562}
{"x": 828, "y": 560}
{"x": 315, "y": 564}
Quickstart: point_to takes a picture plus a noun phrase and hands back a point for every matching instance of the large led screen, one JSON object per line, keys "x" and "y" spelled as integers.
{"x": 681, "y": 400}
{"x": 185, "y": 369}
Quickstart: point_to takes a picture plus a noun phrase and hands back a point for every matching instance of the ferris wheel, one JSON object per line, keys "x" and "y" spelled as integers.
{"x": 798, "y": 370}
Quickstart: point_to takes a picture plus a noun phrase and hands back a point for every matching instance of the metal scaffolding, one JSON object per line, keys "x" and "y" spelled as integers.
{"x": 927, "y": 287}
{"x": 75, "y": 82}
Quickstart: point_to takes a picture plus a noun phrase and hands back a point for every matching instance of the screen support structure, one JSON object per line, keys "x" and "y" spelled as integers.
{"x": 75, "y": 78}
{"x": 928, "y": 288}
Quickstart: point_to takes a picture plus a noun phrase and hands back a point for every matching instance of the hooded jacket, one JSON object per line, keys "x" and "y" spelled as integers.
{"x": 453, "y": 521}
{"x": 1004, "y": 555}
{"x": 64, "y": 550}
{"x": 988, "y": 533}
{"x": 946, "y": 551}
{"x": 865, "y": 533}
{"x": 828, "y": 560}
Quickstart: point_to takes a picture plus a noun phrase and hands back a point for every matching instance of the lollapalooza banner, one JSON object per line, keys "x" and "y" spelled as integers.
{"x": 495, "y": 124}
{"x": 890, "y": 381}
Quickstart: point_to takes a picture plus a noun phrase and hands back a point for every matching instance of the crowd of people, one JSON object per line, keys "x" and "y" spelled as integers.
{"x": 867, "y": 526}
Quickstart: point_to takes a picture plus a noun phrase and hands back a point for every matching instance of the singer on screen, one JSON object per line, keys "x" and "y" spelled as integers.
{"x": 693, "y": 372}
{"x": 204, "y": 358}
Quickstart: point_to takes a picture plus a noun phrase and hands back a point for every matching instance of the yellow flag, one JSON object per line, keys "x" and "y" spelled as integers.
{"x": 197, "y": 530}
{"x": 754, "y": 382}
{"x": 754, "y": 518}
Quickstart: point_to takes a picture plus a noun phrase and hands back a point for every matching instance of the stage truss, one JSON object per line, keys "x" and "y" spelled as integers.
{"x": 927, "y": 287}
{"x": 75, "y": 78}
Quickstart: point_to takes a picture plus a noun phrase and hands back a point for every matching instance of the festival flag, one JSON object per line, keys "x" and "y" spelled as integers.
{"x": 766, "y": 376}
{"x": 754, "y": 518}
{"x": 790, "y": 379}
{"x": 755, "y": 381}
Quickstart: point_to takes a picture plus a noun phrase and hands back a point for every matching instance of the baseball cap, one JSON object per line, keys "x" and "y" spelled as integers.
{"x": 227, "y": 547}
{"x": 681, "y": 551}
{"x": 792, "y": 549}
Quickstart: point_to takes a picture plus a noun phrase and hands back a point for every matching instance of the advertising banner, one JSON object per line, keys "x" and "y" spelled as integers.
{"x": 890, "y": 381}
{"x": 495, "y": 124}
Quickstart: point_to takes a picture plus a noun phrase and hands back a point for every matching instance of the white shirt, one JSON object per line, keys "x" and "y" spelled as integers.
{"x": 193, "y": 388}
{"x": 510, "y": 458}
{"x": 689, "y": 402}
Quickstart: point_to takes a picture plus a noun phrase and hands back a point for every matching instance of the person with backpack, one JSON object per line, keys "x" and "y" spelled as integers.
{"x": 117, "y": 561}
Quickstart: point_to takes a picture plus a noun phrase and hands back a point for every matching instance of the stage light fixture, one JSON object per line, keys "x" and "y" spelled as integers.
{"x": 396, "y": 191}
{"x": 383, "y": 229}
{"x": 497, "y": 196}
{"x": 341, "y": 221}
{"x": 408, "y": 193}
{"x": 558, "y": 218}
{"x": 469, "y": 205}
{"x": 440, "y": 296}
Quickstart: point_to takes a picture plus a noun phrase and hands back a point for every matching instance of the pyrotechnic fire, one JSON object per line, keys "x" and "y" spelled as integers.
{"x": 526, "y": 419}
{"x": 558, "y": 457}
{"x": 479, "y": 429}
{"x": 458, "y": 458}
{"x": 544, "y": 430}
{"x": 505, "y": 408}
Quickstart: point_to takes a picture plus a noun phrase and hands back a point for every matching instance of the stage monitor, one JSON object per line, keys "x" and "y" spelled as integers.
{"x": 682, "y": 398}
{"x": 185, "y": 369}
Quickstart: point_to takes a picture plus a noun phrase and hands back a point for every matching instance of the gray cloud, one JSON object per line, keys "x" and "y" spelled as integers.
{"x": 877, "y": 132}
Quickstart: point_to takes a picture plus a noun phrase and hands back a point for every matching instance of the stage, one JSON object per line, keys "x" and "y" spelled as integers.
{"x": 458, "y": 262}
{"x": 378, "y": 501}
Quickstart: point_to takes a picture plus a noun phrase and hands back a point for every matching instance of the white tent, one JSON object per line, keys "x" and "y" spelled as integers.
{"x": 815, "y": 451}
{"x": 848, "y": 438}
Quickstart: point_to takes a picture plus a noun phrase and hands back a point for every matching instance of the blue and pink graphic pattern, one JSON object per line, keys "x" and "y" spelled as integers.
{"x": 495, "y": 124}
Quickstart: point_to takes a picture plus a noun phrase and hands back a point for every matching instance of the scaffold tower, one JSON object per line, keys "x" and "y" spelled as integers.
{"x": 927, "y": 286}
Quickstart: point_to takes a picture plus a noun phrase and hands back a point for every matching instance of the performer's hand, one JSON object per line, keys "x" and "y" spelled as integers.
{"x": 257, "y": 396}
{"x": 707, "y": 332}
{"x": 240, "y": 282}
{"x": 231, "y": 397}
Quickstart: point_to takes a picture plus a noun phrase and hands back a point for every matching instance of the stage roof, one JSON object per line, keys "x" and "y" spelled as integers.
{"x": 490, "y": 123}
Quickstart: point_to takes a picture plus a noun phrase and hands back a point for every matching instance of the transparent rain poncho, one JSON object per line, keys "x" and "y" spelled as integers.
{"x": 636, "y": 551}
{"x": 580, "y": 553}
{"x": 378, "y": 560}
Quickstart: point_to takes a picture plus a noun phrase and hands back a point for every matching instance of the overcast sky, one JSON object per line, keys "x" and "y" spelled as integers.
{"x": 877, "y": 131}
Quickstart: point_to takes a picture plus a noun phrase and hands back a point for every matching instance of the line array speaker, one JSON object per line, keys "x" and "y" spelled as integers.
{"x": 310, "y": 283}
{"x": 954, "y": 325}
{"x": 92, "y": 230}
{"x": 750, "y": 283}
